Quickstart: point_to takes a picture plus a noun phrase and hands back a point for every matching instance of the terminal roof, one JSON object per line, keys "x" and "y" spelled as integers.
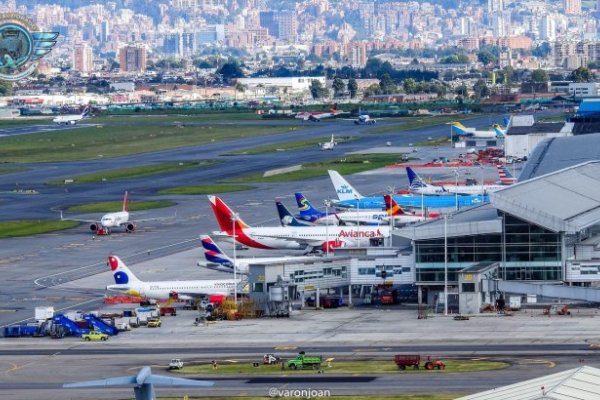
{"x": 563, "y": 201}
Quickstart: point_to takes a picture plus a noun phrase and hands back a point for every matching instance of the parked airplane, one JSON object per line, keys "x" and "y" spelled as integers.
{"x": 416, "y": 185}
{"x": 128, "y": 283}
{"x": 293, "y": 237}
{"x": 506, "y": 178}
{"x": 218, "y": 260}
{"x": 143, "y": 383}
{"x": 401, "y": 217}
{"x": 356, "y": 217}
{"x": 72, "y": 119}
{"x": 351, "y": 198}
{"x": 328, "y": 145}
{"x": 287, "y": 219}
{"x": 113, "y": 220}
{"x": 317, "y": 116}
{"x": 461, "y": 130}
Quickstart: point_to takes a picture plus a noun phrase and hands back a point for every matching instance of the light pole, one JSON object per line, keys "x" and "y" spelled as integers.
{"x": 445, "y": 264}
{"x": 327, "y": 204}
{"x": 456, "y": 188}
{"x": 357, "y": 219}
{"x": 234, "y": 218}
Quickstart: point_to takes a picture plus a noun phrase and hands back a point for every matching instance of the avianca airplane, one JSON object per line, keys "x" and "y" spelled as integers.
{"x": 126, "y": 282}
{"x": 416, "y": 185}
{"x": 218, "y": 260}
{"x": 351, "y": 198}
{"x": 294, "y": 237}
{"x": 317, "y": 116}
{"x": 461, "y": 130}
{"x": 72, "y": 119}
{"x": 506, "y": 178}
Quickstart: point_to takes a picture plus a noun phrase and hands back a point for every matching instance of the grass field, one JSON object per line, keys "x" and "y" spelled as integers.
{"x": 114, "y": 206}
{"x": 33, "y": 227}
{"x": 346, "y": 165}
{"x": 206, "y": 189}
{"x": 172, "y": 117}
{"x": 133, "y": 172}
{"x": 15, "y": 123}
{"x": 134, "y": 137}
{"x": 301, "y": 144}
{"x": 409, "y": 123}
{"x": 11, "y": 170}
{"x": 343, "y": 367}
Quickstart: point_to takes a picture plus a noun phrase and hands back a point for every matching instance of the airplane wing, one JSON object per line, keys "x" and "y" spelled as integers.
{"x": 117, "y": 381}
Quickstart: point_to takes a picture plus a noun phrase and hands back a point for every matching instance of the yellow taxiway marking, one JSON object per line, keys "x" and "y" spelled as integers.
{"x": 551, "y": 364}
{"x": 288, "y": 347}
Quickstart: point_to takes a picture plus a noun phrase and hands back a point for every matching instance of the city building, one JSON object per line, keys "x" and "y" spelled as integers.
{"x": 83, "y": 60}
{"x": 292, "y": 85}
{"x": 132, "y": 58}
{"x": 584, "y": 89}
{"x": 572, "y": 7}
{"x": 524, "y": 134}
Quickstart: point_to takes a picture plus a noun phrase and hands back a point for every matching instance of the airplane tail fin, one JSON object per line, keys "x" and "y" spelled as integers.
{"x": 86, "y": 111}
{"x": 214, "y": 254}
{"x": 333, "y": 108}
{"x": 506, "y": 178}
{"x": 414, "y": 181}
{"x": 391, "y": 206}
{"x": 121, "y": 273}
{"x": 125, "y": 202}
{"x": 225, "y": 216}
{"x": 286, "y": 217}
{"x": 344, "y": 190}
{"x": 304, "y": 206}
{"x": 499, "y": 131}
{"x": 458, "y": 128}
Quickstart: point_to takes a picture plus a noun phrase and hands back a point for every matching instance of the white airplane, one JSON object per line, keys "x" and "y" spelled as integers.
{"x": 218, "y": 260}
{"x": 461, "y": 130}
{"x": 364, "y": 119}
{"x": 416, "y": 185}
{"x": 126, "y": 282}
{"x": 293, "y": 237}
{"x": 113, "y": 220}
{"x": 72, "y": 119}
{"x": 328, "y": 145}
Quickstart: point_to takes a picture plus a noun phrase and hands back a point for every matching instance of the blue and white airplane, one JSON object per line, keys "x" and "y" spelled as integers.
{"x": 461, "y": 130}
{"x": 351, "y": 198}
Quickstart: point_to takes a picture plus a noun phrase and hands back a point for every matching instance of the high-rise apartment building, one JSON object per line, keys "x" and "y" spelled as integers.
{"x": 573, "y": 7}
{"x": 83, "y": 60}
{"x": 495, "y": 6}
{"x": 547, "y": 28}
{"x": 132, "y": 58}
{"x": 282, "y": 25}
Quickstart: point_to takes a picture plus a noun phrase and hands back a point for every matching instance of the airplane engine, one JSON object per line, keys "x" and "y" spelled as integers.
{"x": 71, "y": 122}
{"x": 130, "y": 227}
{"x": 332, "y": 244}
{"x": 94, "y": 227}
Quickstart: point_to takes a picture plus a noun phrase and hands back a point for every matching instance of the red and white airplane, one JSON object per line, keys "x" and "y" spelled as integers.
{"x": 400, "y": 216}
{"x": 317, "y": 116}
{"x": 294, "y": 237}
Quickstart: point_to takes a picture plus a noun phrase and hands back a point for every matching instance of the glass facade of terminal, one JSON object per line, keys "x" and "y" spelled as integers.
{"x": 532, "y": 253}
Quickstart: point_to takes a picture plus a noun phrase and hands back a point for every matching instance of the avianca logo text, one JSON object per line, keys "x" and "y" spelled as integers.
{"x": 361, "y": 234}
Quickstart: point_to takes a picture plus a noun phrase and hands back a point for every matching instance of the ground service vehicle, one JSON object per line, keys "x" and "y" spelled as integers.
{"x": 94, "y": 335}
{"x": 270, "y": 359}
{"x": 175, "y": 363}
{"x": 154, "y": 322}
{"x": 304, "y": 361}
{"x": 414, "y": 360}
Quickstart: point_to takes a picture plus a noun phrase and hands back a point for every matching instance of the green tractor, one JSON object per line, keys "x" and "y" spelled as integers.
{"x": 304, "y": 361}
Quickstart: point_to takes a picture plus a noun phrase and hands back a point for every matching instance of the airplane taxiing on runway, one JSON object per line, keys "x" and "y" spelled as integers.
{"x": 293, "y": 237}
{"x": 126, "y": 282}
{"x": 72, "y": 119}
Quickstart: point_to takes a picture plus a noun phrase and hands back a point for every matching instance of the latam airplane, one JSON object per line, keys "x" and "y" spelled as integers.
{"x": 72, "y": 119}
{"x": 349, "y": 197}
{"x": 461, "y": 130}
{"x": 112, "y": 220}
{"x": 400, "y": 217}
{"x": 128, "y": 283}
{"x": 218, "y": 260}
{"x": 317, "y": 116}
{"x": 416, "y": 185}
{"x": 293, "y": 237}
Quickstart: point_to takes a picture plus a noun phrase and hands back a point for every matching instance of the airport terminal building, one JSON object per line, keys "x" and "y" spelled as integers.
{"x": 527, "y": 233}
